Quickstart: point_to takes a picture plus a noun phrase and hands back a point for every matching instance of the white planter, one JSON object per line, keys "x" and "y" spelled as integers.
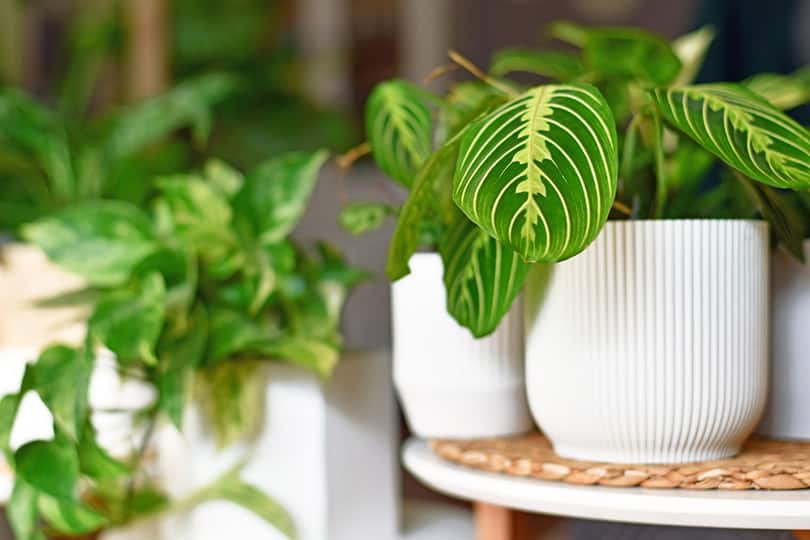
{"x": 787, "y": 414}
{"x": 651, "y": 345}
{"x": 327, "y": 452}
{"x": 450, "y": 384}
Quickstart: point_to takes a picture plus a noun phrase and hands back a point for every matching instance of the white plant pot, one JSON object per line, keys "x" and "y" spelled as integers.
{"x": 787, "y": 414}
{"x": 450, "y": 384}
{"x": 651, "y": 345}
{"x": 327, "y": 452}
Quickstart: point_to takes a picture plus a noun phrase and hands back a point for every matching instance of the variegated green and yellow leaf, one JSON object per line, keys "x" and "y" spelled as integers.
{"x": 539, "y": 173}
{"x": 398, "y": 127}
{"x": 742, "y": 129}
{"x": 482, "y": 277}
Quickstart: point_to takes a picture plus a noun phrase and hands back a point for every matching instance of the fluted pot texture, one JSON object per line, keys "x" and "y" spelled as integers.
{"x": 651, "y": 345}
{"x": 450, "y": 384}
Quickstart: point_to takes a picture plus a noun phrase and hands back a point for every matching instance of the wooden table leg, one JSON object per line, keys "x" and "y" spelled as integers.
{"x": 802, "y": 535}
{"x": 493, "y": 522}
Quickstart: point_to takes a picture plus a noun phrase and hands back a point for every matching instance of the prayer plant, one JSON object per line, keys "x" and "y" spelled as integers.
{"x": 503, "y": 174}
{"x": 189, "y": 298}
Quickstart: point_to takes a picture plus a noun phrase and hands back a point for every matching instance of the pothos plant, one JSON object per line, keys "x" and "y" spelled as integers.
{"x": 189, "y": 298}
{"x": 502, "y": 175}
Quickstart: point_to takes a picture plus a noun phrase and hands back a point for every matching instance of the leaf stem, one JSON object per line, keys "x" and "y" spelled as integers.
{"x": 347, "y": 159}
{"x": 467, "y": 64}
{"x": 660, "y": 173}
{"x": 623, "y": 208}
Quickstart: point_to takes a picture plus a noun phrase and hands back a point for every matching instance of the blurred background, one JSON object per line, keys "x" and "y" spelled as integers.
{"x": 303, "y": 70}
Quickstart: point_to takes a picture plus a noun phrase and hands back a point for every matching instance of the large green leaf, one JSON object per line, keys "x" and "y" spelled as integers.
{"x": 69, "y": 517}
{"x": 101, "y": 241}
{"x": 129, "y": 321}
{"x": 318, "y": 355}
{"x": 8, "y": 412}
{"x": 623, "y": 52}
{"x": 398, "y": 127}
{"x": 275, "y": 195}
{"x": 482, "y": 277}
{"x": 741, "y": 129}
{"x": 49, "y": 466}
{"x": 362, "y": 217}
{"x": 539, "y": 173}
{"x": 558, "y": 65}
{"x": 61, "y": 377}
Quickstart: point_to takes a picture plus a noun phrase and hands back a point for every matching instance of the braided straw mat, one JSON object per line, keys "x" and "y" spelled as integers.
{"x": 762, "y": 464}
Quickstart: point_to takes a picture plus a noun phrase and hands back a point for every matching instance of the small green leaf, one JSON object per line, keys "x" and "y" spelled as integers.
{"x": 129, "y": 321}
{"x": 179, "y": 356}
{"x": 94, "y": 461}
{"x": 557, "y": 65}
{"x": 233, "y": 333}
{"x": 398, "y": 127}
{"x": 200, "y": 214}
{"x": 540, "y": 172}
{"x": 223, "y": 177}
{"x": 275, "y": 195}
{"x": 8, "y": 412}
{"x": 49, "y": 466}
{"x": 101, "y": 241}
{"x": 232, "y": 398}
{"x": 741, "y": 129}
{"x": 22, "y": 510}
{"x": 782, "y": 91}
{"x": 61, "y": 377}
{"x": 362, "y": 217}
{"x": 69, "y": 517}
{"x": 318, "y": 355}
{"x": 231, "y": 487}
{"x": 482, "y": 277}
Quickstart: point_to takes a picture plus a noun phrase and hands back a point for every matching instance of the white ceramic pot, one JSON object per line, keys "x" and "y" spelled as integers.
{"x": 651, "y": 345}
{"x": 450, "y": 384}
{"x": 787, "y": 415}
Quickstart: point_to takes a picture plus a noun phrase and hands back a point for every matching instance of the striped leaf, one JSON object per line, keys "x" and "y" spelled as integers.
{"x": 555, "y": 64}
{"x": 398, "y": 127}
{"x": 539, "y": 173}
{"x": 742, "y": 129}
{"x": 482, "y": 277}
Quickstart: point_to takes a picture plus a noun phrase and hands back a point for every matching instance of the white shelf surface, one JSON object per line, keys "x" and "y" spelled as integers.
{"x": 729, "y": 509}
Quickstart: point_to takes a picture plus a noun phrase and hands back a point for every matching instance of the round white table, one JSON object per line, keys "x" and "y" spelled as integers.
{"x": 497, "y": 494}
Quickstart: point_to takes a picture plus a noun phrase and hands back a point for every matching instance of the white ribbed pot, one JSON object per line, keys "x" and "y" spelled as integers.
{"x": 450, "y": 384}
{"x": 787, "y": 414}
{"x": 651, "y": 345}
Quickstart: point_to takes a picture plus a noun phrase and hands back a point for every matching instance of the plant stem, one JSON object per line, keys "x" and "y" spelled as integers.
{"x": 623, "y": 208}
{"x": 147, "y": 436}
{"x": 467, "y": 64}
{"x": 661, "y": 191}
{"x": 347, "y": 159}
{"x": 630, "y": 138}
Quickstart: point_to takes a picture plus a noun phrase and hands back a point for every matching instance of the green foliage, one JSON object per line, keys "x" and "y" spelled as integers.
{"x": 362, "y": 217}
{"x": 206, "y": 286}
{"x": 538, "y": 170}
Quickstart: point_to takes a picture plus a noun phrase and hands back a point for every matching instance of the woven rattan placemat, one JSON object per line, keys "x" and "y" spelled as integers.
{"x": 762, "y": 464}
